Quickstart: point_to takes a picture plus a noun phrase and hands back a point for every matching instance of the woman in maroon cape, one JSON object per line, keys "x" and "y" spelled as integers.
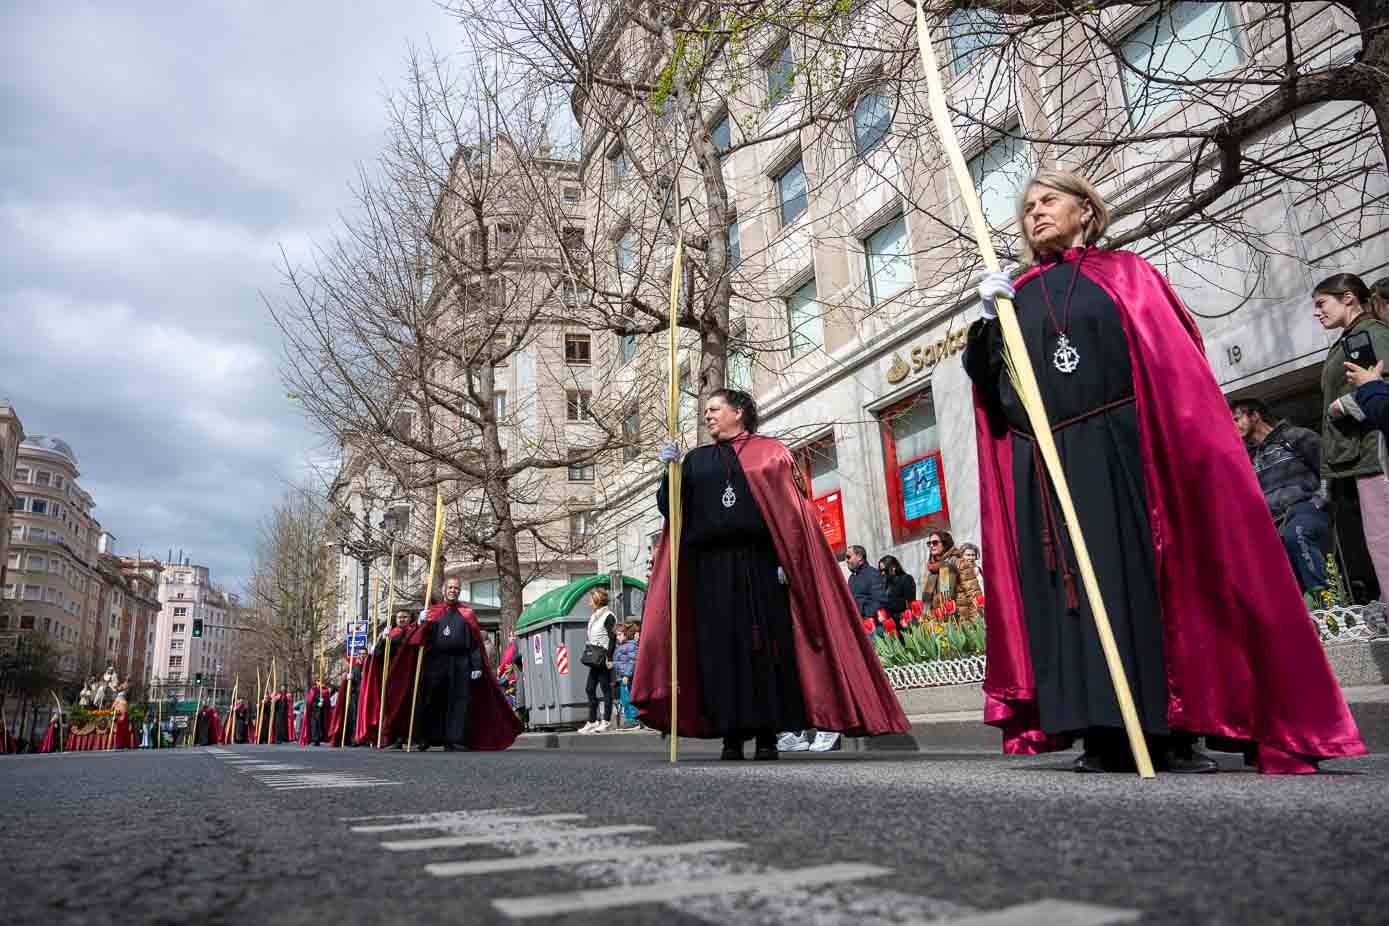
{"x": 770, "y": 637}
{"x": 1206, "y": 612}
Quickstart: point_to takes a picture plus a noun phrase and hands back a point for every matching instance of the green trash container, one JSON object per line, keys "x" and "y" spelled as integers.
{"x": 550, "y": 637}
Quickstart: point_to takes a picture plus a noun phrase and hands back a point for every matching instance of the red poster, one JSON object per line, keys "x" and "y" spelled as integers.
{"x": 830, "y": 509}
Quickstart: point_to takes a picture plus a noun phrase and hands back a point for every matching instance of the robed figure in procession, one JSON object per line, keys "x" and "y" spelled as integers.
{"x": 241, "y": 722}
{"x": 770, "y": 637}
{"x": 315, "y": 727}
{"x": 207, "y": 727}
{"x": 282, "y": 713}
{"x": 345, "y": 709}
{"x": 1206, "y": 612}
{"x": 396, "y": 716}
{"x": 460, "y": 704}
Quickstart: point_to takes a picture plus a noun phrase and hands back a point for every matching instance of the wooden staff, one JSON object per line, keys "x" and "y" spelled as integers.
{"x": 231, "y": 711}
{"x": 347, "y": 702}
{"x": 673, "y": 493}
{"x": 260, "y": 709}
{"x": 428, "y": 595}
{"x": 193, "y": 729}
{"x": 1025, "y": 384}
{"x": 386, "y": 663}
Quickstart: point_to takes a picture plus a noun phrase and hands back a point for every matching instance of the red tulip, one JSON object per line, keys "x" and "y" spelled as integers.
{"x": 950, "y": 607}
{"x": 882, "y": 614}
{"x": 906, "y": 618}
{"x": 917, "y": 608}
{"x": 979, "y": 602}
{"x": 890, "y": 625}
{"x": 867, "y": 625}
{"x": 938, "y": 613}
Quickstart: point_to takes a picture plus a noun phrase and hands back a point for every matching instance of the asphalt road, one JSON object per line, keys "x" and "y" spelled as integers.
{"x": 281, "y": 835}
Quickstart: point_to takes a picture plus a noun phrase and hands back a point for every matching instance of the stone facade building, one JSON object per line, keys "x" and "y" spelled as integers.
{"x": 191, "y": 636}
{"x": 11, "y": 435}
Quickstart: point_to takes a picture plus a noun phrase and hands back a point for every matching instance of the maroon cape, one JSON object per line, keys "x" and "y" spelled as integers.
{"x": 50, "y": 739}
{"x": 842, "y": 679}
{"x": 214, "y": 725}
{"x": 492, "y": 724}
{"x": 309, "y": 700}
{"x": 371, "y": 693}
{"x": 1243, "y": 659}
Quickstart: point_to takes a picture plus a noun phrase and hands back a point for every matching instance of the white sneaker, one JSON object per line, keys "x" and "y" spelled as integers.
{"x": 589, "y": 727}
{"x": 824, "y": 742}
{"x": 792, "y": 742}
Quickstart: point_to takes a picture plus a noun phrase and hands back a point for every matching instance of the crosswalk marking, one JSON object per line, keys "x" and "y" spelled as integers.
{"x": 459, "y": 815}
{"x": 456, "y": 842}
{"x": 1051, "y": 913}
{"x": 284, "y": 776}
{"x": 275, "y": 768}
{"x": 609, "y": 898}
{"x": 445, "y": 821}
{"x": 557, "y": 859}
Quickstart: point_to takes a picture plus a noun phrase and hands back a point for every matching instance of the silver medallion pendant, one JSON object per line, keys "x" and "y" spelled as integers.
{"x": 730, "y": 498}
{"x": 446, "y": 631}
{"x": 1066, "y": 358}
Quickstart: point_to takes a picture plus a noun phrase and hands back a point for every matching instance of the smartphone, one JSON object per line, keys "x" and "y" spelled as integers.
{"x": 1360, "y": 350}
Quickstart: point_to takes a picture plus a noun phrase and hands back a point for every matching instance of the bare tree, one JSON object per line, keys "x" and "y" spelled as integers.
{"x": 439, "y": 337}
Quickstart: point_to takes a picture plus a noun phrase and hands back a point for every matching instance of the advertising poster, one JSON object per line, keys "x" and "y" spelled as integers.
{"x": 921, "y": 488}
{"x": 830, "y": 510}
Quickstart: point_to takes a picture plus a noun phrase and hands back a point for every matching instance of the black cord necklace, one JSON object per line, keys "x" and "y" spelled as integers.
{"x": 730, "y": 498}
{"x": 1065, "y": 358}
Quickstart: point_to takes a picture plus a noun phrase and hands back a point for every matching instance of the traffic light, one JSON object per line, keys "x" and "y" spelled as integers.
{"x": 197, "y": 626}
{"x": 198, "y": 679}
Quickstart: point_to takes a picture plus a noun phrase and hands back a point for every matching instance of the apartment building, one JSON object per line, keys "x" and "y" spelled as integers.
{"x": 51, "y": 583}
{"x": 127, "y": 613}
{"x": 192, "y": 638}
{"x": 853, "y": 297}
{"x": 11, "y": 434}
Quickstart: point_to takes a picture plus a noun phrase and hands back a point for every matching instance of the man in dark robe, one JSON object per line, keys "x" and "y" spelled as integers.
{"x": 207, "y": 728}
{"x": 241, "y": 722}
{"x": 460, "y": 706}
{"x": 315, "y": 727}
{"x": 282, "y": 726}
{"x": 770, "y": 637}
{"x": 1204, "y": 608}
{"x": 393, "y": 735}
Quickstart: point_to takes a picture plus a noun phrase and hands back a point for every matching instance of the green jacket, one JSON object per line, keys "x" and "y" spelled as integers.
{"x": 1349, "y": 448}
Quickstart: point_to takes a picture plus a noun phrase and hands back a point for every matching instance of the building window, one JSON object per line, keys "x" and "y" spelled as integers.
{"x": 41, "y": 478}
{"x": 971, "y": 32}
{"x": 176, "y": 645}
{"x": 180, "y": 628}
{"x": 804, "y": 321}
{"x": 4, "y": 622}
{"x": 627, "y": 251}
{"x": 26, "y": 622}
{"x": 33, "y": 593}
{"x": 576, "y": 405}
{"x": 872, "y": 121}
{"x": 57, "y": 481}
{"x": 21, "y": 474}
{"x": 580, "y": 526}
{"x": 735, "y": 246}
{"x": 578, "y": 349}
{"x": 572, "y": 239}
{"x": 781, "y": 74}
{"x": 499, "y": 403}
{"x": 626, "y": 348}
{"x": 631, "y": 434}
{"x": 37, "y": 563}
{"x": 889, "y": 263}
{"x": 739, "y": 370}
{"x": 621, "y": 164}
{"x": 9, "y": 590}
{"x": 791, "y": 192}
{"x": 1186, "y": 42}
{"x": 485, "y": 591}
{"x": 579, "y": 470}
{"x": 999, "y": 172}
{"x": 915, "y": 480}
{"x": 506, "y": 237}
{"x": 38, "y": 506}
{"x": 571, "y": 195}
{"x": 722, "y": 136}
{"x": 175, "y": 662}
{"x": 180, "y": 612}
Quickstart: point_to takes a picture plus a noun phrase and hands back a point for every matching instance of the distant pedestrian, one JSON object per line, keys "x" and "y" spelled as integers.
{"x": 865, "y": 583}
{"x": 599, "y": 646}
{"x": 624, "y": 667}
{"x": 1349, "y": 445}
{"x": 901, "y": 587}
{"x": 1287, "y": 462}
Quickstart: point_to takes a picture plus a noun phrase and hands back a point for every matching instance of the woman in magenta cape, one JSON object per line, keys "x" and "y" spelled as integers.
{"x": 841, "y": 684}
{"x": 1209, "y": 620}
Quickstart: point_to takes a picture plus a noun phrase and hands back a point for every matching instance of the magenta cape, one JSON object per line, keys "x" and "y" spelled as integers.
{"x": 371, "y": 693}
{"x": 842, "y": 680}
{"x": 1243, "y": 658}
{"x": 492, "y": 724}
{"x": 50, "y": 739}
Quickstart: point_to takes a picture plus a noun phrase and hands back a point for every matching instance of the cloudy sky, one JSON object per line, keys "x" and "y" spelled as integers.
{"x": 153, "y": 162}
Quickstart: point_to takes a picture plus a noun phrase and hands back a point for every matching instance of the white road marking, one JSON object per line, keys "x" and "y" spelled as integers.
{"x": 453, "y": 815}
{"x": 609, "y": 898}
{"x": 448, "y": 821}
{"x": 454, "y": 842}
{"x": 557, "y": 859}
{"x": 276, "y": 768}
{"x": 1051, "y": 913}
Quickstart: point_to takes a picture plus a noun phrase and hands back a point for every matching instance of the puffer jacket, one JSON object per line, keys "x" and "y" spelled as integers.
{"x": 1288, "y": 464}
{"x": 625, "y": 659}
{"x": 1349, "y": 448}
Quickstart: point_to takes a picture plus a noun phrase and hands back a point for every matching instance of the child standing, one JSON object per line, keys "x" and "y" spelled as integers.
{"x": 624, "y": 667}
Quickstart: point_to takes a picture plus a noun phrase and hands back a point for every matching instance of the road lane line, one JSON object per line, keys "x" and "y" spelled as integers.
{"x": 557, "y": 859}
{"x": 454, "y": 842}
{"x": 443, "y": 824}
{"x": 1050, "y": 913}
{"x": 609, "y": 898}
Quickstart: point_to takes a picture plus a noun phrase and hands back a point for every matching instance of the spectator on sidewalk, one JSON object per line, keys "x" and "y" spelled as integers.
{"x": 865, "y": 583}
{"x": 972, "y": 556}
{"x": 602, "y": 635}
{"x": 950, "y": 578}
{"x": 624, "y": 667}
{"x": 901, "y": 587}
{"x": 1287, "y": 462}
{"x": 1349, "y": 445}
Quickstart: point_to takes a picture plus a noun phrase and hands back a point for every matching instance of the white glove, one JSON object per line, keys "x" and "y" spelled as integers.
{"x": 670, "y": 453}
{"x": 992, "y": 284}
{"x": 477, "y": 674}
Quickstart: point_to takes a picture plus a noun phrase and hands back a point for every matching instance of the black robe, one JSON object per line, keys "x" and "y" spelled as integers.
{"x": 1095, "y": 421}
{"x": 744, "y": 648}
{"x": 265, "y": 717}
{"x": 241, "y": 720}
{"x": 316, "y": 716}
{"x": 451, "y": 656}
{"x": 280, "y": 709}
{"x": 202, "y": 729}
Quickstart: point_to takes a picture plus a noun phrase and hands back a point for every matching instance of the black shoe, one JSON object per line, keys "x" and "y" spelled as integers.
{"x": 1090, "y": 762}
{"x": 449, "y": 747}
{"x": 732, "y": 749}
{"x": 765, "y": 753}
{"x": 421, "y": 748}
{"x": 1186, "y": 760}
{"x": 1105, "y": 761}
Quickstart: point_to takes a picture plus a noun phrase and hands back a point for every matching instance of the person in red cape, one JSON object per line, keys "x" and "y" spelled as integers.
{"x": 769, "y": 633}
{"x": 314, "y": 729}
{"x": 371, "y": 689}
{"x": 460, "y": 703}
{"x": 53, "y": 739}
{"x": 1206, "y": 612}
{"x": 207, "y": 727}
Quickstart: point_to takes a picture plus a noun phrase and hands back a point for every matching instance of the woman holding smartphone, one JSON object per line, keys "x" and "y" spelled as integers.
{"x": 1349, "y": 443}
